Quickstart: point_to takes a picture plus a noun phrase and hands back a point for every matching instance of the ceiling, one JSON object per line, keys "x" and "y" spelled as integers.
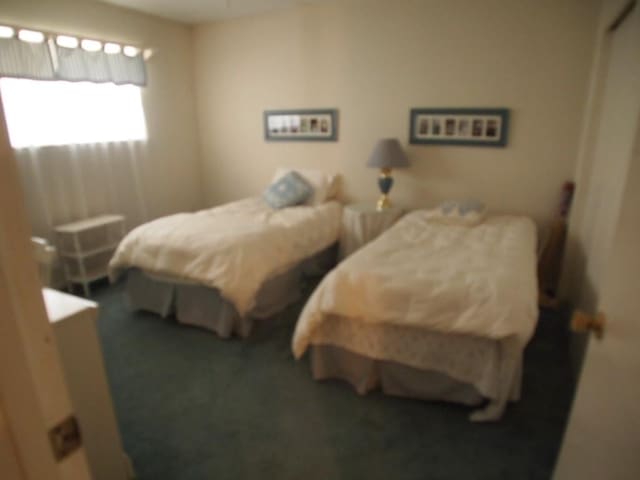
{"x": 201, "y": 11}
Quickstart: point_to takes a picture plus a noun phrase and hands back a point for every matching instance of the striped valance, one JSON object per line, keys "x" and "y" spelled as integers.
{"x": 47, "y": 56}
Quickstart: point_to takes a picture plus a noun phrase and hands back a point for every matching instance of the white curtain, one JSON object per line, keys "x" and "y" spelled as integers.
{"x": 71, "y": 182}
{"x": 46, "y": 60}
{"x": 25, "y": 60}
{"x": 74, "y": 181}
{"x": 76, "y": 64}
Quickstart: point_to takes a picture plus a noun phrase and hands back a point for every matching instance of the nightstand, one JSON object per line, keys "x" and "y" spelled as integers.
{"x": 361, "y": 223}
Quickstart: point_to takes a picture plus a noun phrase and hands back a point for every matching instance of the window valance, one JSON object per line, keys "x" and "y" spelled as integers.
{"x": 49, "y": 56}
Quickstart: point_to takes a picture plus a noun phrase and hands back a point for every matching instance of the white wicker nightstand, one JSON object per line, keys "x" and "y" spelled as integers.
{"x": 361, "y": 223}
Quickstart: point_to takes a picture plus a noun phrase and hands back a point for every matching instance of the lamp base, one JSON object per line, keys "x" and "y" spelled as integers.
{"x": 383, "y": 202}
{"x": 385, "y": 182}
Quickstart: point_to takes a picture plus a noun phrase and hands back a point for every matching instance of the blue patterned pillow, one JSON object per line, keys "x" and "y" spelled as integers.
{"x": 290, "y": 189}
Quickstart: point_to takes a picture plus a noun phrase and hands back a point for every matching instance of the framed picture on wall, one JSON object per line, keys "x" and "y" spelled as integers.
{"x": 301, "y": 125}
{"x": 487, "y": 127}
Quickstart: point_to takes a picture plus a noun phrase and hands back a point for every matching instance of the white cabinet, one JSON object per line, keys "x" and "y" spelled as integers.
{"x": 85, "y": 248}
{"x": 73, "y": 321}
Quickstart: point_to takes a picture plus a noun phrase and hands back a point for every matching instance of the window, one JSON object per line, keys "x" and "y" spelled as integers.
{"x": 42, "y": 113}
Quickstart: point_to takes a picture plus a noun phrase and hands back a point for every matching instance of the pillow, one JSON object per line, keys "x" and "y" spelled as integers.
{"x": 459, "y": 212}
{"x": 334, "y": 187}
{"x": 289, "y": 190}
{"x": 321, "y": 183}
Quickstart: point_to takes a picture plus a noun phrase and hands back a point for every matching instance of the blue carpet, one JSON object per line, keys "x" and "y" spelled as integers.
{"x": 191, "y": 406}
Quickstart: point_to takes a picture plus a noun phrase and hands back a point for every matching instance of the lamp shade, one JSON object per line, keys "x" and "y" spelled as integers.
{"x": 388, "y": 154}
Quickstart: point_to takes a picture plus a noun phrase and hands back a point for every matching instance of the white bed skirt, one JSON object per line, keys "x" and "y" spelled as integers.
{"x": 492, "y": 367}
{"x": 366, "y": 374}
{"x": 204, "y": 307}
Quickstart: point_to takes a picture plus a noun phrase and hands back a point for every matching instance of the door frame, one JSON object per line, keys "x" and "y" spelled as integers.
{"x": 575, "y": 282}
{"x": 572, "y": 284}
{"x": 33, "y": 392}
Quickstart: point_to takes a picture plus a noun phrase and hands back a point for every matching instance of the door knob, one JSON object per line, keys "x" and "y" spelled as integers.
{"x": 583, "y": 322}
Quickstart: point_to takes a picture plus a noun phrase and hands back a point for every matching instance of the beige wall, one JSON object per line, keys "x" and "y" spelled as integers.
{"x": 374, "y": 60}
{"x": 170, "y": 169}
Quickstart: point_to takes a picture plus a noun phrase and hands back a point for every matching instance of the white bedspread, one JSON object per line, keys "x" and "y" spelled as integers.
{"x": 422, "y": 274}
{"x": 234, "y": 247}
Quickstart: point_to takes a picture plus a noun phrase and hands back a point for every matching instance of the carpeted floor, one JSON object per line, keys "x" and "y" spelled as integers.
{"x": 191, "y": 406}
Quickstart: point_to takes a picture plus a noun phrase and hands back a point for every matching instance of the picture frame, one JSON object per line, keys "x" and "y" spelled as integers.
{"x": 310, "y": 125}
{"x": 485, "y": 127}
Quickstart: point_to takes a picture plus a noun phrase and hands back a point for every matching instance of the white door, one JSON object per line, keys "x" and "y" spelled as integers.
{"x": 603, "y": 435}
{"x": 9, "y": 466}
{"x": 33, "y": 394}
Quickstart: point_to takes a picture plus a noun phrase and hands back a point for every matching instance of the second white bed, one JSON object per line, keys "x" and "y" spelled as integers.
{"x": 450, "y": 299}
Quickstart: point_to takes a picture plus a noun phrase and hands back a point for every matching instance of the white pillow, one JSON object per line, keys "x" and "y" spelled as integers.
{"x": 334, "y": 187}
{"x": 323, "y": 184}
{"x": 459, "y": 212}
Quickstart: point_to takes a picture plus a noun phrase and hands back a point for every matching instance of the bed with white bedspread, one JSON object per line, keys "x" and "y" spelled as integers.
{"x": 452, "y": 299}
{"x": 233, "y": 249}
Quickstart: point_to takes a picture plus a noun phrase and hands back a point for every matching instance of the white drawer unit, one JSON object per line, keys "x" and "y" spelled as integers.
{"x": 86, "y": 246}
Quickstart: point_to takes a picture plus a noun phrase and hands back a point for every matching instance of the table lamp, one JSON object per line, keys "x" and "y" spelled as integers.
{"x": 387, "y": 155}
